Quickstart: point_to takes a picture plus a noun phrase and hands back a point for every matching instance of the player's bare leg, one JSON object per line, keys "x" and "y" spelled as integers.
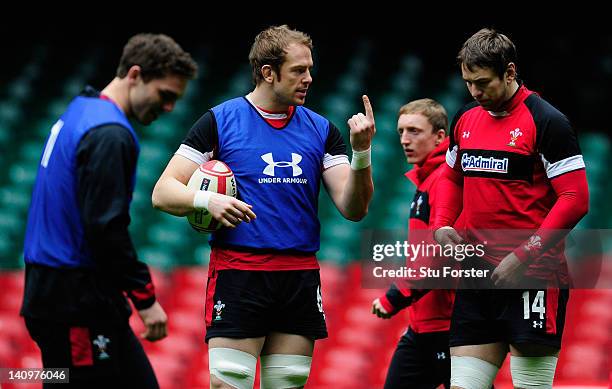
{"x": 251, "y": 346}
{"x": 279, "y": 343}
{"x": 533, "y": 350}
{"x": 489, "y": 358}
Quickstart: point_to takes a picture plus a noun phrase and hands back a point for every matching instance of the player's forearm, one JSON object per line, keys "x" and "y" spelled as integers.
{"x": 571, "y": 206}
{"x": 449, "y": 198}
{"x": 117, "y": 257}
{"x": 357, "y": 194}
{"x": 114, "y": 255}
{"x": 137, "y": 283}
{"x": 396, "y": 299}
{"x": 572, "y": 203}
{"x": 172, "y": 196}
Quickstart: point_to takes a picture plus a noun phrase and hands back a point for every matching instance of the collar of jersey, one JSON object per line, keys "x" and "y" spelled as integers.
{"x": 266, "y": 115}
{"x": 509, "y": 106}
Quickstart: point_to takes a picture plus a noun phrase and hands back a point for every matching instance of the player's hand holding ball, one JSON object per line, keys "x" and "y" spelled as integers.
{"x": 215, "y": 200}
{"x": 229, "y": 211}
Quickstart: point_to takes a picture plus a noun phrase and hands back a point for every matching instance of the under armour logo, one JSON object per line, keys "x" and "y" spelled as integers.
{"x": 466, "y": 134}
{"x": 538, "y": 324}
{"x": 441, "y": 355}
{"x": 295, "y": 160}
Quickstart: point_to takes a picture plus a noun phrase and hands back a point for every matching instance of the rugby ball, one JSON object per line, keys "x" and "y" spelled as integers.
{"x": 213, "y": 176}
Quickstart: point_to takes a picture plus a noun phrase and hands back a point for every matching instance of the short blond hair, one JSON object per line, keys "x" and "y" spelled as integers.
{"x": 269, "y": 48}
{"x": 431, "y": 109}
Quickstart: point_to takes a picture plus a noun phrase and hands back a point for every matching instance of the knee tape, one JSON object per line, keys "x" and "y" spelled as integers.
{"x": 533, "y": 372}
{"x": 472, "y": 373}
{"x": 234, "y": 367}
{"x": 280, "y": 371}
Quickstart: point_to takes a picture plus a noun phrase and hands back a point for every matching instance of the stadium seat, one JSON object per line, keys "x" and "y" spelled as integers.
{"x": 17, "y": 197}
{"x": 167, "y": 235}
{"x": 188, "y": 298}
{"x": 10, "y": 112}
{"x": 188, "y": 322}
{"x": 192, "y": 276}
{"x": 170, "y": 371}
{"x": 583, "y": 359}
{"x": 8, "y": 352}
{"x": 11, "y": 301}
{"x": 180, "y": 346}
{"x": 30, "y": 360}
{"x": 157, "y": 256}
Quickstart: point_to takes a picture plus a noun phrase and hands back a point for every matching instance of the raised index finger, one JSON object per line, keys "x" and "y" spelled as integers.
{"x": 368, "y": 107}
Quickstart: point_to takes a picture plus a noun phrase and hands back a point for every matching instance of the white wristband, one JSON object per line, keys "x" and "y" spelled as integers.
{"x": 361, "y": 159}
{"x": 200, "y": 200}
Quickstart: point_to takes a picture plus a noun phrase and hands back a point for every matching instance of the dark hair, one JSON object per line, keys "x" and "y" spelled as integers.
{"x": 158, "y": 55}
{"x": 431, "y": 109}
{"x": 269, "y": 48}
{"x": 488, "y": 49}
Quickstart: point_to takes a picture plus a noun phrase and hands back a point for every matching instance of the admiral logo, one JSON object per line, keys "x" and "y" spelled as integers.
{"x": 480, "y": 164}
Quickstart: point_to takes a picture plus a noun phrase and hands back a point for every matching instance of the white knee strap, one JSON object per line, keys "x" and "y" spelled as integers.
{"x": 280, "y": 371}
{"x": 533, "y": 372}
{"x": 472, "y": 373}
{"x": 234, "y": 367}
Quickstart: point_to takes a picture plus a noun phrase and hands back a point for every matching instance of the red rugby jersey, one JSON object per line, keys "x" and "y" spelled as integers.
{"x": 507, "y": 161}
{"x": 432, "y": 311}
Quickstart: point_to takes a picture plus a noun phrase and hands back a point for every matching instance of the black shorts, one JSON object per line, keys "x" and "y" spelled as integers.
{"x": 250, "y": 304}
{"x": 98, "y": 355}
{"x": 512, "y": 316}
{"x": 420, "y": 361}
